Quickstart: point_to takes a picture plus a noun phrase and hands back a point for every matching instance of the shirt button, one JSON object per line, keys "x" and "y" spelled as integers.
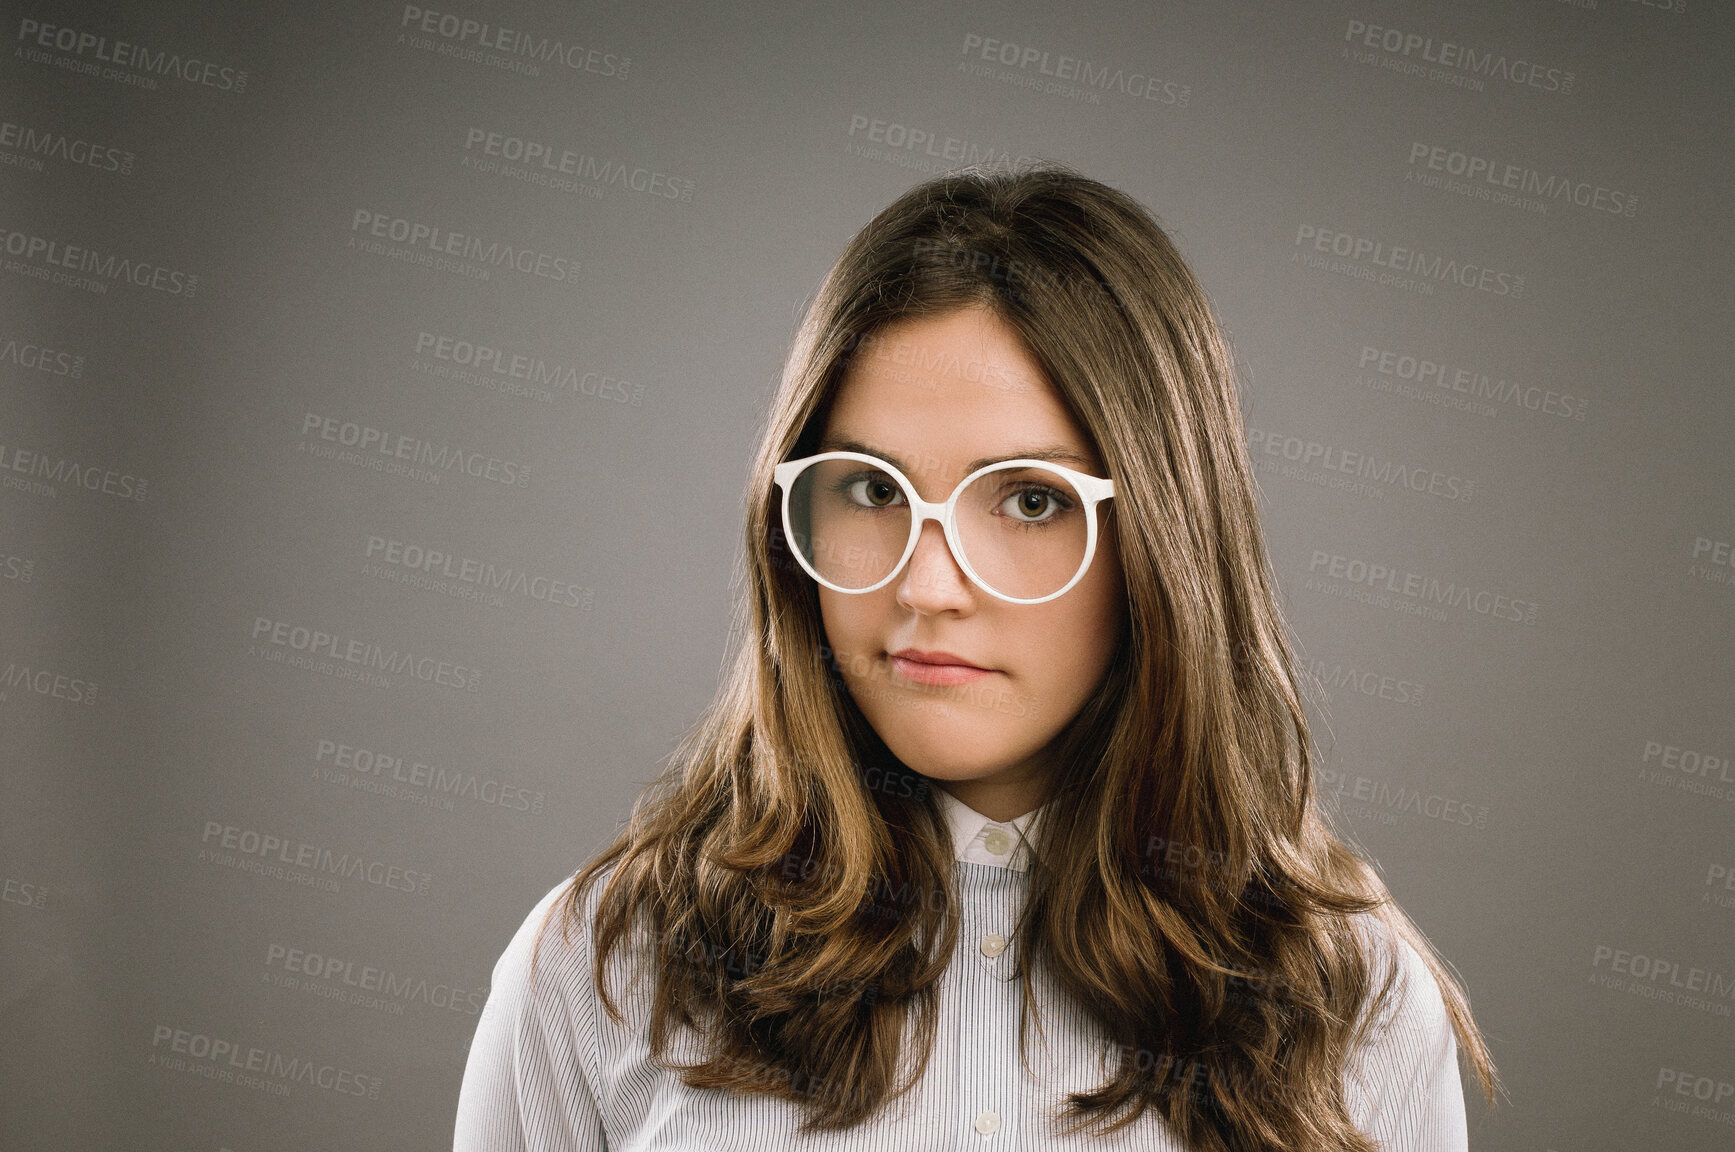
{"x": 987, "y": 1123}
{"x": 998, "y": 841}
{"x": 993, "y": 944}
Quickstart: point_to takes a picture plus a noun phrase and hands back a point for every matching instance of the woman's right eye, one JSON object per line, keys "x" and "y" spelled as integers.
{"x": 874, "y": 491}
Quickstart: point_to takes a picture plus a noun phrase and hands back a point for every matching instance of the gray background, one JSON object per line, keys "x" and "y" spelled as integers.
{"x": 1550, "y": 796}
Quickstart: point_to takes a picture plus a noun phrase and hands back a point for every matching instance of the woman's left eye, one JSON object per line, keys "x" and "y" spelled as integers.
{"x": 1032, "y": 505}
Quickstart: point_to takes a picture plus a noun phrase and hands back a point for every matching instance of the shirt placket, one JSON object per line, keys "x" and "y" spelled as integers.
{"x": 990, "y": 1083}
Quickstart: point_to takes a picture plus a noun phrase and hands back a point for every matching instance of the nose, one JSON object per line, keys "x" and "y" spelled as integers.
{"x": 932, "y": 581}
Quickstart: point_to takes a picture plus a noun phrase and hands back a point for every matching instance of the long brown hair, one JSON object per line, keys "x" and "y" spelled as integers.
{"x": 1186, "y": 891}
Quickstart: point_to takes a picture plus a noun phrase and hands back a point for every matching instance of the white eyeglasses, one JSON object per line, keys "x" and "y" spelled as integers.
{"x": 1021, "y": 530}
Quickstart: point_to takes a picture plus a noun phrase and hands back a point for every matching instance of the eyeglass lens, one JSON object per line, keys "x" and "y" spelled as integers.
{"x": 1023, "y": 528}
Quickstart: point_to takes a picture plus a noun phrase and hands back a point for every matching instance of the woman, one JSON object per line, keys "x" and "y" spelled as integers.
{"x": 1014, "y": 733}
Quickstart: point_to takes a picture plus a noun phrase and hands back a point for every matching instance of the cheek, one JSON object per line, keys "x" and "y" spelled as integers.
{"x": 1086, "y": 635}
{"x": 1071, "y": 650}
{"x": 849, "y": 622}
{"x": 854, "y": 636}
{"x": 1108, "y": 587}
{"x": 1063, "y": 654}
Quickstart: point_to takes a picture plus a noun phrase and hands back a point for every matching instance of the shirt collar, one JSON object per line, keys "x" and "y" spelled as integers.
{"x": 979, "y": 840}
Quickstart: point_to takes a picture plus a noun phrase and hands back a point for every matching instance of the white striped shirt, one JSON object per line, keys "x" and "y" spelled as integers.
{"x": 550, "y": 1071}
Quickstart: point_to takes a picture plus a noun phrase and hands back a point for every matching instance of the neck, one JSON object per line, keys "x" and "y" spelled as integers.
{"x": 997, "y": 802}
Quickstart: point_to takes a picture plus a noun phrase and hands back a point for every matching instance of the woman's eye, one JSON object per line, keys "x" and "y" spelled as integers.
{"x": 1033, "y": 505}
{"x": 874, "y": 492}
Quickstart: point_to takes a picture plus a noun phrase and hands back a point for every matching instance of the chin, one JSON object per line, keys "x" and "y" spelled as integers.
{"x": 939, "y": 760}
{"x": 946, "y": 739}
{"x": 945, "y": 770}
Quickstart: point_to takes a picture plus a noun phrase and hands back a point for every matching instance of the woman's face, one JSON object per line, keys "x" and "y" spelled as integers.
{"x": 931, "y": 395}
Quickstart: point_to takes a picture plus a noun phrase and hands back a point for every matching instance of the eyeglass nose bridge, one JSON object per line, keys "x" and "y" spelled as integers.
{"x": 942, "y": 512}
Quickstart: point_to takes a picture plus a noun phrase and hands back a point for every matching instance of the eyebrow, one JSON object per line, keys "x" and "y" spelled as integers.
{"x": 1058, "y": 453}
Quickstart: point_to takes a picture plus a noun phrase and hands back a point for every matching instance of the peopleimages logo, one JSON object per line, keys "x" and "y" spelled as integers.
{"x": 80, "y": 266}
{"x": 1376, "y": 584}
{"x": 436, "y": 780}
{"x": 362, "y": 656}
{"x": 375, "y": 445}
{"x": 46, "y": 682}
{"x": 1342, "y": 677}
{"x": 1402, "y": 259}
{"x": 23, "y": 892}
{"x": 1703, "y": 1097}
{"x": 238, "y": 1063}
{"x": 356, "y": 981}
{"x": 1694, "y": 771}
{"x": 38, "y": 358}
{"x": 424, "y": 243}
{"x": 541, "y": 161}
{"x": 1383, "y": 802}
{"x": 1378, "y": 475}
{"x": 1072, "y": 70}
{"x": 1713, "y": 560}
{"x": 449, "y": 34}
{"x": 27, "y": 146}
{"x": 14, "y": 567}
{"x": 123, "y": 54}
{"x": 1473, "y": 385}
{"x": 250, "y": 850}
{"x": 1662, "y": 978}
{"x": 1412, "y": 53}
{"x": 1719, "y": 876}
{"x": 1488, "y": 178}
{"x": 483, "y": 575}
{"x": 492, "y": 367}
{"x": 911, "y": 139}
{"x": 45, "y": 471}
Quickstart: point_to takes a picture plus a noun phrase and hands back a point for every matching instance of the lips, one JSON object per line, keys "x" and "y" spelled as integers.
{"x": 940, "y": 668}
{"x": 917, "y": 656}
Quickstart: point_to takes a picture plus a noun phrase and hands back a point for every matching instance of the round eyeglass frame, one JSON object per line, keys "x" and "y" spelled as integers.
{"x": 1091, "y": 489}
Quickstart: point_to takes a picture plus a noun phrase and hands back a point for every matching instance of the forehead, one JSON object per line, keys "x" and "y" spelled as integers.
{"x": 939, "y": 393}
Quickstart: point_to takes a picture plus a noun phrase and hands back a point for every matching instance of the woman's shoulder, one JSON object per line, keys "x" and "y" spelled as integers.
{"x": 1402, "y": 1084}
{"x": 549, "y": 958}
{"x": 1407, "y": 1036}
{"x": 1413, "y": 1005}
{"x": 535, "y": 1060}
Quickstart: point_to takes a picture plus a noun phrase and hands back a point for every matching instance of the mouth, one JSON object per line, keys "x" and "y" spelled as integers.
{"x": 942, "y": 668}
